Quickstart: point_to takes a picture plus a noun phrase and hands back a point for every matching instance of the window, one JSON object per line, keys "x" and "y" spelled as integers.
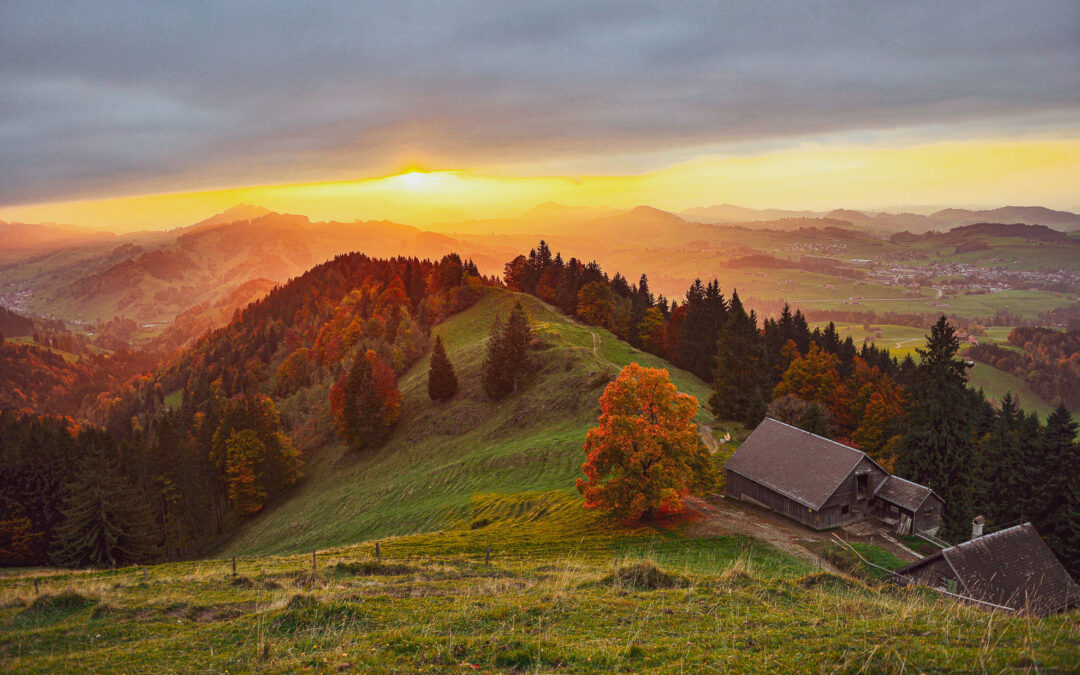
{"x": 862, "y": 485}
{"x": 844, "y": 509}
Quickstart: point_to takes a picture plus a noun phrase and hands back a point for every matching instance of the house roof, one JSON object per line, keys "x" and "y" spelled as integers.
{"x": 1014, "y": 568}
{"x": 905, "y": 493}
{"x": 798, "y": 464}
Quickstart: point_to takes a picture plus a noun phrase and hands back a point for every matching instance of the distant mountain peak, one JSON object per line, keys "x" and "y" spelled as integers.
{"x": 234, "y": 214}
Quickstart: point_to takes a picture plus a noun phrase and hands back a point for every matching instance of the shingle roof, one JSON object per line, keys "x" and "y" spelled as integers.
{"x": 903, "y": 492}
{"x": 793, "y": 462}
{"x": 1014, "y": 568}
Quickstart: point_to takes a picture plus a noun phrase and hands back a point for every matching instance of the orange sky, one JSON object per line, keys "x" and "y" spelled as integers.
{"x": 991, "y": 172}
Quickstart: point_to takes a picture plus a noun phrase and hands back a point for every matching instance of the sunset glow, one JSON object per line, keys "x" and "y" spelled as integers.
{"x": 998, "y": 171}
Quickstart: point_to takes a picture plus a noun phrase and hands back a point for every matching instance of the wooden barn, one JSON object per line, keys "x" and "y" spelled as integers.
{"x": 825, "y": 484}
{"x": 1013, "y": 568}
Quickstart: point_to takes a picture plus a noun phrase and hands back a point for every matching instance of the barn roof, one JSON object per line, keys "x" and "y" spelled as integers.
{"x": 1014, "y": 568}
{"x": 798, "y": 464}
{"x": 905, "y": 493}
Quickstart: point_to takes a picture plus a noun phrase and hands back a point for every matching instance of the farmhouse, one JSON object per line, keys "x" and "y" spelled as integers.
{"x": 825, "y": 484}
{"x": 1013, "y": 568}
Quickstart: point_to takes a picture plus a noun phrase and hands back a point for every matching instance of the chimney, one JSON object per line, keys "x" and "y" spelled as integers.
{"x": 977, "y": 526}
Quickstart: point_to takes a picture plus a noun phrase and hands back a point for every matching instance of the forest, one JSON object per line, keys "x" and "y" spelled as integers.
{"x": 317, "y": 359}
{"x": 921, "y": 419}
{"x": 135, "y": 479}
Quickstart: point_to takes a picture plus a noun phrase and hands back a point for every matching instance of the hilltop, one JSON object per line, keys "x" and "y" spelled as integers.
{"x": 440, "y": 455}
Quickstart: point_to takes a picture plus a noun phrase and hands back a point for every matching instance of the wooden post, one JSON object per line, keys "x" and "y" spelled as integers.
{"x": 145, "y": 574}
{"x": 378, "y": 556}
{"x": 487, "y": 558}
{"x": 36, "y": 591}
{"x": 314, "y": 565}
{"x": 234, "y": 565}
{"x": 616, "y": 563}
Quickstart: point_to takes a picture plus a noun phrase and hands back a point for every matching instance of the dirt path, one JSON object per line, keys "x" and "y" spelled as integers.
{"x": 723, "y": 516}
{"x": 707, "y": 437}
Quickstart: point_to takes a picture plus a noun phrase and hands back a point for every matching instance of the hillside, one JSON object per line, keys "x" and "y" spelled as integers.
{"x": 440, "y": 456}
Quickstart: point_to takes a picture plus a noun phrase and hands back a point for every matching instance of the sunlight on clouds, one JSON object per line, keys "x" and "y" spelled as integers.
{"x": 992, "y": 173}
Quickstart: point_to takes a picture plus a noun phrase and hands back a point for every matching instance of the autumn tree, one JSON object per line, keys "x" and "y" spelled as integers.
{"x": 442, "y": 381}
{"x": 255, "y": 458}
{"x": 366, "y": 402}
{"x": 596, "y": 304}
{"x": 812, "y": 377}
{"x": 645, "y": 455}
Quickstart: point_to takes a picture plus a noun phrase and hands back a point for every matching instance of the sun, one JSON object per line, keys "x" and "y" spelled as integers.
{"x": 416, "y": 181}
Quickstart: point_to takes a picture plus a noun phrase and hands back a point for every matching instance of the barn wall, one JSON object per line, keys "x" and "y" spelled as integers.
{"x": 928, "y": 518}
{"x": 740, "y": 487}
{"x": 859, "y": 509}
{"x": 932, "y": 572}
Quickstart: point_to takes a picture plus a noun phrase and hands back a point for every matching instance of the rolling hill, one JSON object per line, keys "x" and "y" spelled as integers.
{"x": 441, "y": 455}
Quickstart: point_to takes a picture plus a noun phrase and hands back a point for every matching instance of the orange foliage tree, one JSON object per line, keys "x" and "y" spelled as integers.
{"x": 645, "y": 455}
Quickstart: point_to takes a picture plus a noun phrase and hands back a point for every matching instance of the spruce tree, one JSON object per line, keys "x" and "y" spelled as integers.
{"x": 1057, "y": 509}
{"x": 741, "y": 371}
{"x": 936, "y": 449}
{"x": 442, "y": 381}
{"x": 363, "y": 407}
{"x": 106, "y": 521}
{"x": 496, "y": 381}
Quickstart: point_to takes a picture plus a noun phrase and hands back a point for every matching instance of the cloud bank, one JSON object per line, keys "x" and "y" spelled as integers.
{"x": 106, "y": 98}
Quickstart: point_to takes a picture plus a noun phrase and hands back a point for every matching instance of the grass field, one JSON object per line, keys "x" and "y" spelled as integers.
{"x": 995, "y": 383}
{"x": 440, "y": 455}
{"x": 566, "y": 604}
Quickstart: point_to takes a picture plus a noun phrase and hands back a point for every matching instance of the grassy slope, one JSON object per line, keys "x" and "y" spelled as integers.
{"x": 568, "y": 612}
{"x": 442, "y": 454}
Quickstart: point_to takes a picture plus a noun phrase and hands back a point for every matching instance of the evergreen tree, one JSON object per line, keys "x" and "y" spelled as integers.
{"x": 815, "y": 420}
{"x": 936, "y": 449}
{"x": 740, "y": 370}
{"x": 442, "y": 381}
{"x": 566, "y": 291}
{"x": 106, "y": 522}
{"x": 362, "y": 411}
{"x": 1057, "y": 509}
{"x": 507, "y": 354}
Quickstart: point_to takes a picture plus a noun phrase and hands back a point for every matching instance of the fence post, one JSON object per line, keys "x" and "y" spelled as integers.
{"x": 234, "y": 565}
{"x": 378, "y": 556}
{"x": 314, "y": 565}
{"x": 36, "y": 591}
{"x": 145, "y": 574}
{"x": 487, "y": 558}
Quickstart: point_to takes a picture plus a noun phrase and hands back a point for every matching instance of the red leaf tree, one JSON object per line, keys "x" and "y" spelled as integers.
{"x": 645, "y": 455}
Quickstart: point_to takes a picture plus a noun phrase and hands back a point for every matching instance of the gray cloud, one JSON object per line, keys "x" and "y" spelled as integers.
{"x": 119, "y": 96}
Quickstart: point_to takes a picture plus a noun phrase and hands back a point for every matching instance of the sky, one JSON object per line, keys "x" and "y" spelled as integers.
{"x": 156, "y": 114}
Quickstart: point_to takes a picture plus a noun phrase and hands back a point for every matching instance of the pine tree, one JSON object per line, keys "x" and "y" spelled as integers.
{"x": 106, "y": 522}
{"x": 936, "y": 449}
{"x": 815, "y": 420}
{"x": 496, "y": 379}
{"x": 1057, "y": 510}
{"x": 740, "y": 371}
{"x": 363, "y": 413}
{"x": 442, "y": 381}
